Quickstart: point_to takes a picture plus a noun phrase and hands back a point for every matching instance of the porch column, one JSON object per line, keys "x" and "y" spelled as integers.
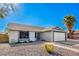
{"x": 32, "y": 36}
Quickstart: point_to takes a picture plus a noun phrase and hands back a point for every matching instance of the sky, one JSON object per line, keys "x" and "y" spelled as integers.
{"x": 42, "y": 14}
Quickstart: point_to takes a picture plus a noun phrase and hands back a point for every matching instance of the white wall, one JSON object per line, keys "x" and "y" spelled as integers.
{"x": 59, "y": 36}
{"x": 13, "y": 36}
{"x": 47, "y": 36}
{"x": 32, "y": 36}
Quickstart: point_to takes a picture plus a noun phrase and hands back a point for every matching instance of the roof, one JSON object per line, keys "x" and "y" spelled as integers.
{"x": 47, "y": 29}
{"x": 21, "y": 27}
{"x": 55, "y": 28}
{"x": 77, "y": 31}
{"x": 2, "y": 32}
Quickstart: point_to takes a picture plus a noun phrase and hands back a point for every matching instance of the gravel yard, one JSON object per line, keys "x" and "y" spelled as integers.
{"x": 24, "y": 49}
{"x": 33, "y": 49}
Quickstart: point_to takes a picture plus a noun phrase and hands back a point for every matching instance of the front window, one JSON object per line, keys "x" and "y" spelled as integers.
{"x": 24, "y": 34}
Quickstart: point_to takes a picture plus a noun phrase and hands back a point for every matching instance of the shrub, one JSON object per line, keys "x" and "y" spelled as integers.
{"x": 49, "y": 47}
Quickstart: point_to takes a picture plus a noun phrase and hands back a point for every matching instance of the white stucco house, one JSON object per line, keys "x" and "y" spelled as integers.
{"x": 22, "y": 33}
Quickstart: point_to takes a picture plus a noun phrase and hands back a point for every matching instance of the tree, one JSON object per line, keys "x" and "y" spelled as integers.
{"x": 69, "y": 22}
{"x": 6, "y": 8}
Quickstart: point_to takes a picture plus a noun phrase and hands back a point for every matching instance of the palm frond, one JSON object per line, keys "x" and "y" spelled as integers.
{"x": 6, "y": 8}
{"x": 69, "y": 21}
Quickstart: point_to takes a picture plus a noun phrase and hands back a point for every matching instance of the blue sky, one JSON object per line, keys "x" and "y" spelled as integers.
{"x": 42, "y": 14}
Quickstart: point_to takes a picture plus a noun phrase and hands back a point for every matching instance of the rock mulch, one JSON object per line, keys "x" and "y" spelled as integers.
{"x": 33, "y": 49}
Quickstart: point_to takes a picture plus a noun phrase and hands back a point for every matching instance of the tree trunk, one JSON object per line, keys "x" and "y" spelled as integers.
{"x": 70, "y": 33}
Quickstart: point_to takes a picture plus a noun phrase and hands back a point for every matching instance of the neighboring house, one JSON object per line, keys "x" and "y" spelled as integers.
{"x": 75, "y": 35}
{"x": 22, "y": 33}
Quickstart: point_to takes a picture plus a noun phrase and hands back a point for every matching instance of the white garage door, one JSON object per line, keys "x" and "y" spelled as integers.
{"x": 59, "y": 36}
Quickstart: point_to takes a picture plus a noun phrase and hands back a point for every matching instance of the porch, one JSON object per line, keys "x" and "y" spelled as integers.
{"x": 26, "y": 36}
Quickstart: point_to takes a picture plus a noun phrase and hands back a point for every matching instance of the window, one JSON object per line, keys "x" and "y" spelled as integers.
{"x": 24, "y": 34}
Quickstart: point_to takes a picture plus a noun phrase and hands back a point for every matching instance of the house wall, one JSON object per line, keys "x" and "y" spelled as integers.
{"x": 47, "y": 36}
{"x": 53, "y": 36}
{"x": 32, "y": 36}
{"x": 13, "y": 36}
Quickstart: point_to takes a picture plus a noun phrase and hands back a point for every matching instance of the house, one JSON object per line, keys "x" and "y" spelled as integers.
{"x": 75, "y": 35}
{"x": 26, "y": 33}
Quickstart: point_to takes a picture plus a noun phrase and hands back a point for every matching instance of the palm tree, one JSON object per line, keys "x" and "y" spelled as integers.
{"x": 69, "y": 22}
{"x": 6, "y": 8}
{"x": 2, "y": 13}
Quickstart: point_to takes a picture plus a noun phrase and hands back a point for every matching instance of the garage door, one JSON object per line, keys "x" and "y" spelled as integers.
{"x": 59, "y": 36}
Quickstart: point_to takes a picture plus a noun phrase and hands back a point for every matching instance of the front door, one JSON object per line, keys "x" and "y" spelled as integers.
{"x": 37, "y": 36}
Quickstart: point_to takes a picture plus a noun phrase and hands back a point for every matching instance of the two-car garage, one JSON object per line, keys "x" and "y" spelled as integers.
{"x": 54, "y": 35}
